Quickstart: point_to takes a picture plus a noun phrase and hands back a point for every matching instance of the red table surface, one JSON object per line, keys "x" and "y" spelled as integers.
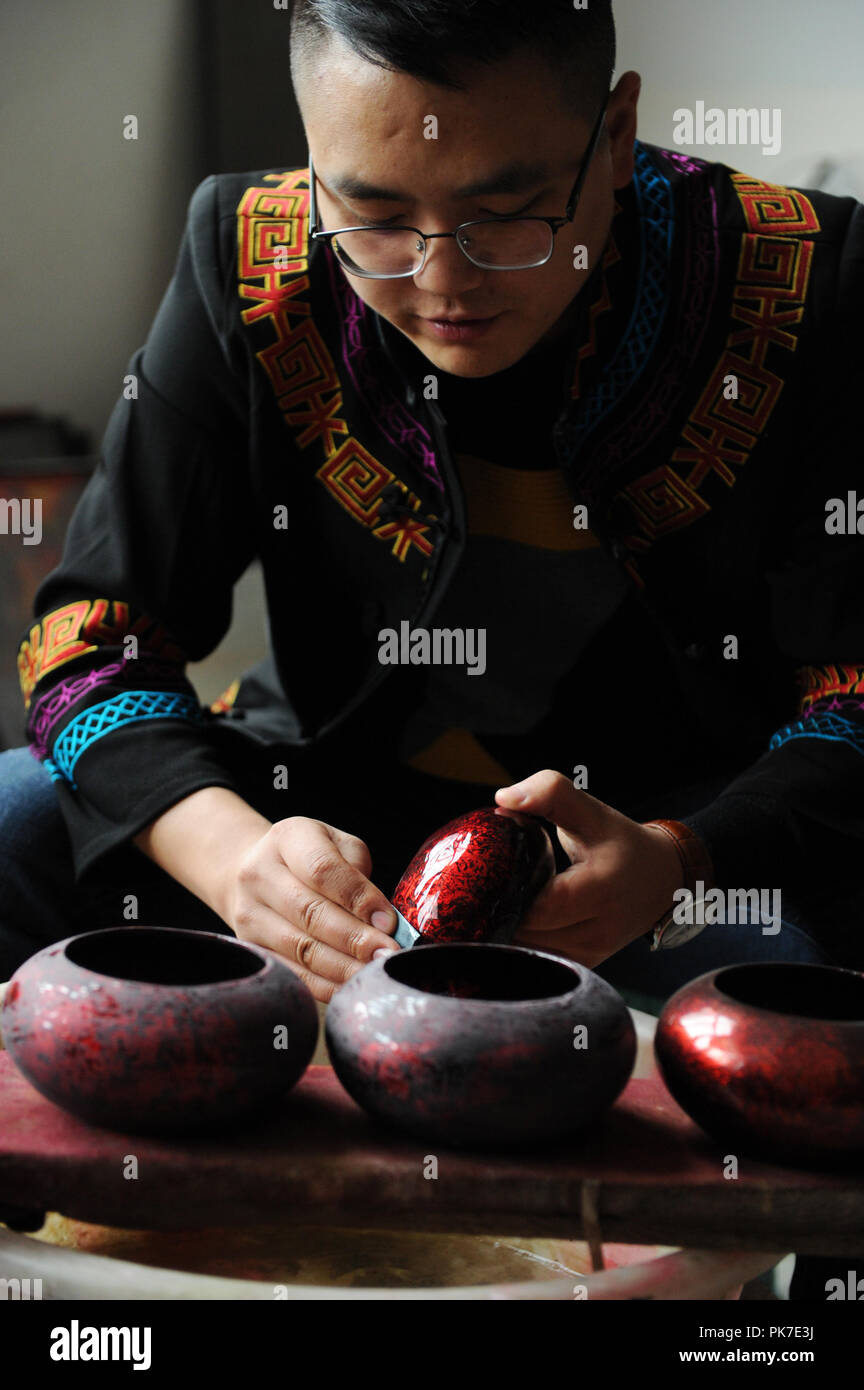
{"x": 656, "y": 1178}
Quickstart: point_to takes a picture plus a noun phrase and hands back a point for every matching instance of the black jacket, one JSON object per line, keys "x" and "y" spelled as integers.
{"x": 709, "y": 413}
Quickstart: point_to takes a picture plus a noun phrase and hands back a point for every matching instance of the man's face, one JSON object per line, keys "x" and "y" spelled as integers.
{"x": 367, "y": 125}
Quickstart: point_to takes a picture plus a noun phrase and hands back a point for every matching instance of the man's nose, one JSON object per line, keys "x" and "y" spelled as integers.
{"x": 447, "y": 270}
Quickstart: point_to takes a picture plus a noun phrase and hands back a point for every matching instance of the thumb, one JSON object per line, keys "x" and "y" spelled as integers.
{"x": 581, "y": 818}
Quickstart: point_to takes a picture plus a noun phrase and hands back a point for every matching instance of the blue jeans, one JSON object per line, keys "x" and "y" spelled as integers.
{"x": 647, "y": 978}
{"x": 40, "y": 901}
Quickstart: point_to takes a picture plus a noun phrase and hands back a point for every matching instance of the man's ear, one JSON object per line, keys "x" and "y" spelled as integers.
{"x": 622, "y": 124}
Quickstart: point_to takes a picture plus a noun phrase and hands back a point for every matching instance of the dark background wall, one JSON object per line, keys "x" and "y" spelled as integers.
{"x": 250, "y": 116}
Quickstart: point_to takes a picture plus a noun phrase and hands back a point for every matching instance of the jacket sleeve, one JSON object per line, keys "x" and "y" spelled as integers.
{"x": 161, "y": 533}
{"x": 795, "y": 819}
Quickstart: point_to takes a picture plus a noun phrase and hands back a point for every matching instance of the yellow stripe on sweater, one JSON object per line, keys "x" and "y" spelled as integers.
{"x": 529, "y": 507}
{"x": 457, "y": 755}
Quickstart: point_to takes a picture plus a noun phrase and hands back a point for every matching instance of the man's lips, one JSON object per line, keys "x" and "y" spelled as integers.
{"x": 458, "y": 318}
{"x": 460, "y": 329}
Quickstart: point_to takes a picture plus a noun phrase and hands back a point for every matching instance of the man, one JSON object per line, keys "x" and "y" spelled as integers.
{"x": 578, "y": 399}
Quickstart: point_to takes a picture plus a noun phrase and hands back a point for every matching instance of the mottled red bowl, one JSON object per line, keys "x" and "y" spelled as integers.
{"x": 156, "y": 1030}
{"x": 474, "y": 879}
{"x": 770, "y": 1057}
{"x": 474, "y": 1045}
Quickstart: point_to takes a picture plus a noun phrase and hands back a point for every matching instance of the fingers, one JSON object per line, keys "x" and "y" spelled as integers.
{"x": 315, "y": 854}
{"x": 553, "y": 796}
{"x": 304, "y": 893}
{"x": 313, "y": 914}
{"x": 321, "y": 968}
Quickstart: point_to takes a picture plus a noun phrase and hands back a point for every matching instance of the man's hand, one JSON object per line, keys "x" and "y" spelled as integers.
{"x": 622, "y": 879}
{"x": 302, "y": 888}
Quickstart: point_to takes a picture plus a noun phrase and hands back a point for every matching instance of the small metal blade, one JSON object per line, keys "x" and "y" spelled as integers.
{"x": 405, "y": 935}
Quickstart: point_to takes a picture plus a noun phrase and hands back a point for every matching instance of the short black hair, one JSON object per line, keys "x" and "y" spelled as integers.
{"x": 431, "y": 39}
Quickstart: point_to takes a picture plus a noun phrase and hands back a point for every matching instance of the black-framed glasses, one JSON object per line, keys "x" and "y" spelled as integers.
{"x": 500, "y": 243}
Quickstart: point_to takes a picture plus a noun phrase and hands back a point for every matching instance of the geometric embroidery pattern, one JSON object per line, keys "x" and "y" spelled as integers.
{"x": 49, "y": 709}
{"x": 81, "y": 627}
{"x": 356, "y": 479}
{"x": 665, "y": 500}
{"x": 97, "y": 721}
{"x": 770, "y": 294}
{"x": 653, "y": 194}
{"x": 405, "y": 433}
{"x": 832, "y": 727}
{"x": 272, "y": 226}
{"x": 684, "y": 162}
{"x": 649, "y": 412}
{"x": 771, "y": 206}
{"x": 602, "y": 304}
{"x": 829, "y": 682}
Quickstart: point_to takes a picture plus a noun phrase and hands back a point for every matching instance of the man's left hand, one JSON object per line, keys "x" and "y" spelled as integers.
{"x": 622, "y": 880}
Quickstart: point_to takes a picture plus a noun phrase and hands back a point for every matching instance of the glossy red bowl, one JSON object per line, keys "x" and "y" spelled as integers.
{"x": 475, "y": 1045}
{"x": 770, "y": 1057}
{"x": 475, "y": 879}
{"x": 157, "y": 1030}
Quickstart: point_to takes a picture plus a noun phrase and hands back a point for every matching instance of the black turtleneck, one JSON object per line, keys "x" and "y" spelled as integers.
{"x": 509, "y": 415}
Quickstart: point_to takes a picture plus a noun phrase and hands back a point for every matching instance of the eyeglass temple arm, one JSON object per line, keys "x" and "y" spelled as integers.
{"x": 586, "y": 163}
{"x": 313, "y": 202}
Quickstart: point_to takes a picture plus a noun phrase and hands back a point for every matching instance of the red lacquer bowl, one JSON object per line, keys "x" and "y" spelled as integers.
{"x": 473, "y": 1045}
{"x": 770, "y": 1057}
{"x": 154, "y": 1030}
{"x": 474, "y": 879}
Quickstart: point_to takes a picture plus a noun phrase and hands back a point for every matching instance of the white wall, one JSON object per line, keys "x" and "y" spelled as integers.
{"x": 91, "y": 221}
{"x": 803, "y": 57}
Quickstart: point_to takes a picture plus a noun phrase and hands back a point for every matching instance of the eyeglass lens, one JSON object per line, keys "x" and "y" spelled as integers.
{"x": 491, "y": 245}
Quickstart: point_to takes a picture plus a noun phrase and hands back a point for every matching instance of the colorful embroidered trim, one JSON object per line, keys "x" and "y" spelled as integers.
{"x": 769, "y": 298}
{"x": 226, "y": 699}
{"x": 833, "y": 727}
{"x": 602, "y": 304}
{"x": 404, "y": 432}
{"x": 50, "y": 708}
{"x": 272, "y": 231}
{"x": 819, "y": 683}
{"x": 97, "y": 721}
{"x": 685, "y": 163}
{"x": 649, "y": 412}
{"x": 654, "y": 201}
{"x": 81, "y": 627}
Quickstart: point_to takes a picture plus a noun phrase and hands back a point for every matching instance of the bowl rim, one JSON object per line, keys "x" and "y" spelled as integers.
{"x": 711, "y": 979}
{"x": 266, "y": 957}
{"x": 447, "y": 1000}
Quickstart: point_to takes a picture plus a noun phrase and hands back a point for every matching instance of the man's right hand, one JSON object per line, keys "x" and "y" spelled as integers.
{"x": 300, "y": 886}
{"x": 302, "y": 889}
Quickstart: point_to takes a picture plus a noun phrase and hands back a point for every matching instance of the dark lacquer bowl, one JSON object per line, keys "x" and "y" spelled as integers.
{"x": 478, "y": 1045}
{"x": 770, "y": 1057}
{"x": 475, "y": 878}
{"x": 156, "y": 1030}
